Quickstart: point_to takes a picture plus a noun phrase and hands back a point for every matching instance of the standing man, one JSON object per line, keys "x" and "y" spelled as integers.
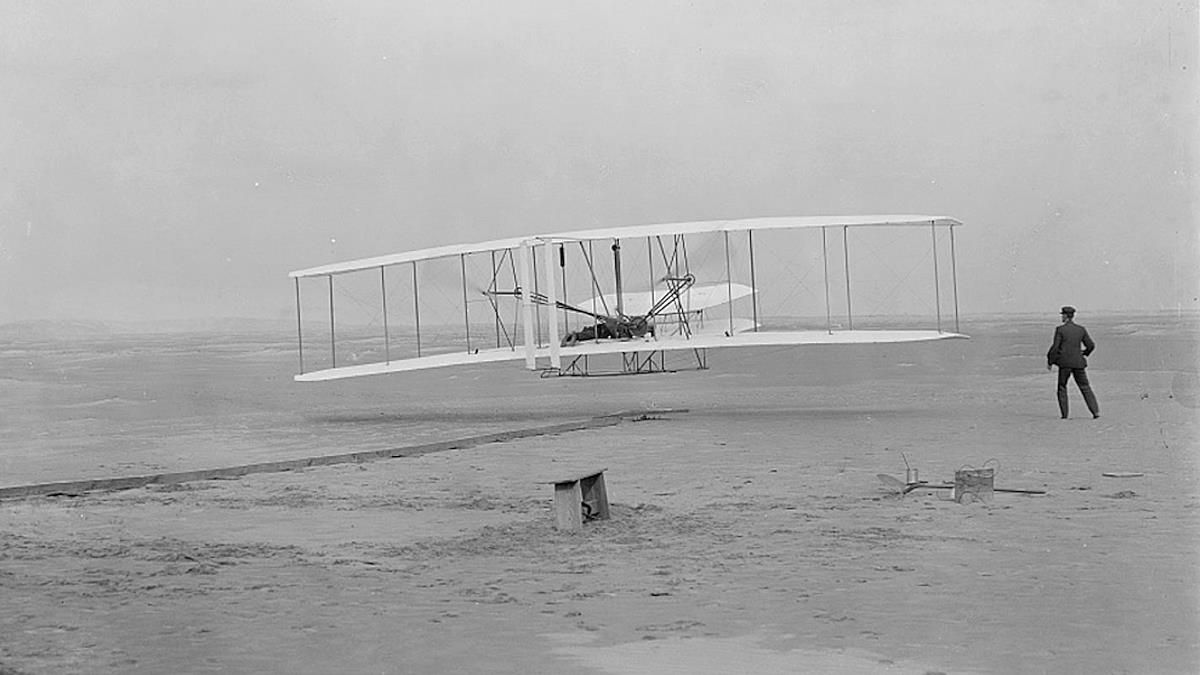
{"x": 1069, "y": 352}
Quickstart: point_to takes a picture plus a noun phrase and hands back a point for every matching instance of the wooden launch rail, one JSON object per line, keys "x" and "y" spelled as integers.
{"x": 77, "y": 487}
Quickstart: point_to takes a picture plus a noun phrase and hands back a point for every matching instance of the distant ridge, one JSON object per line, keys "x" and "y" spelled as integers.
{"x": 212, "y": 325}
{"x": 68, "y": 329}
{"x": 53, "y": 329}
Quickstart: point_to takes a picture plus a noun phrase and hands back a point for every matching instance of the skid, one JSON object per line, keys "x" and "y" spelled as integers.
{"x": 632, "y": 363}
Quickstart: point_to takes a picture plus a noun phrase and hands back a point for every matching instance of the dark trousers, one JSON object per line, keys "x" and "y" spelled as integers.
{"x": 1085, "y": 388}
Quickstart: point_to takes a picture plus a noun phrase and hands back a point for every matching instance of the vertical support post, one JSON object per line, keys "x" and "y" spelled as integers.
{"x": 591, "y": 254}
{"x": 846, "y": 253}
{"x": 753, "y": 284}
{"x": 462, "y": 263}
{"x": 728, "y": 283}
{"x": 416, "y": 308}
{"x": 537, "y": 313}
{"x": 552, "y": 324}
{"x": 616, "y": 249}
{"x": 387, "y": 350}
{"x": 497, "y": 312}
{"x": 526, "y": 305}
{"x": 937, "y": 291}
{"x": 562, "y": 269}
{"x": 332, "y": 334}
{"x": 954, "y": 278}
{"x": 299, "y": 327}
{"x": 650, "y": 266}
{"x": 825, "y": 260}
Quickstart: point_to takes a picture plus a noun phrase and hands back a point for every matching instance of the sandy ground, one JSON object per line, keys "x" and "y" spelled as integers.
{"x": 749, "y": 534}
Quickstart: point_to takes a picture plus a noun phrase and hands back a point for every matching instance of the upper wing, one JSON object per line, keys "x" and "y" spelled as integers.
{"x": 655, "y": 230}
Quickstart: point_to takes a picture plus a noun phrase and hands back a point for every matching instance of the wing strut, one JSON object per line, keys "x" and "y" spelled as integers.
{"x": 562, "y": 266}
{"x": 526, "y": 307}
{"x": 416, "y": 308}
{"x": 616, "y": 249}
{"x": 753, "y": 284}
{"x": 650, "y": 266}
{"x": 462, "y": 262}
{"x": 332, "y": 334}
{"x": 533, "y": 269}
{"x": 846, "y": 253}
{"x": 387, "y": 350}
{"x": 937, "y": 292}
{"x": 299, "y": 327}
{"x": 825, "y": 260}
{"x": 494, "y": 307}
{"x": 728, "y": 282}
{"x": 954, "y": 278}
{"x": 552, "y": 322}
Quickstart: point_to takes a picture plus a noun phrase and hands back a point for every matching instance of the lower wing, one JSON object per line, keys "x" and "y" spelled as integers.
{"x": 706, "y": 340}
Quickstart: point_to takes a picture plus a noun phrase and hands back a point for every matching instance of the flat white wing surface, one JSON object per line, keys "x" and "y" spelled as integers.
{"x": 700, "y": 341}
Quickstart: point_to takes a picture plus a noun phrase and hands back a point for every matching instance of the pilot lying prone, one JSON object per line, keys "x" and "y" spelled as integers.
{"x": 634, "y": 327}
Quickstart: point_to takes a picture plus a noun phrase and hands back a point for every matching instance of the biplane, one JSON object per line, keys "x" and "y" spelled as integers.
{"x": 574, "y": 303}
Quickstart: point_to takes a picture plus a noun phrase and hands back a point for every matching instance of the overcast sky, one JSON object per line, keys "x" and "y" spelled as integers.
{"x": 163, "y": 160}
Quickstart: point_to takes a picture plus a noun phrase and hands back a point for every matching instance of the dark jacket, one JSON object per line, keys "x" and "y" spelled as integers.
{"x": 1065, "y": 352}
